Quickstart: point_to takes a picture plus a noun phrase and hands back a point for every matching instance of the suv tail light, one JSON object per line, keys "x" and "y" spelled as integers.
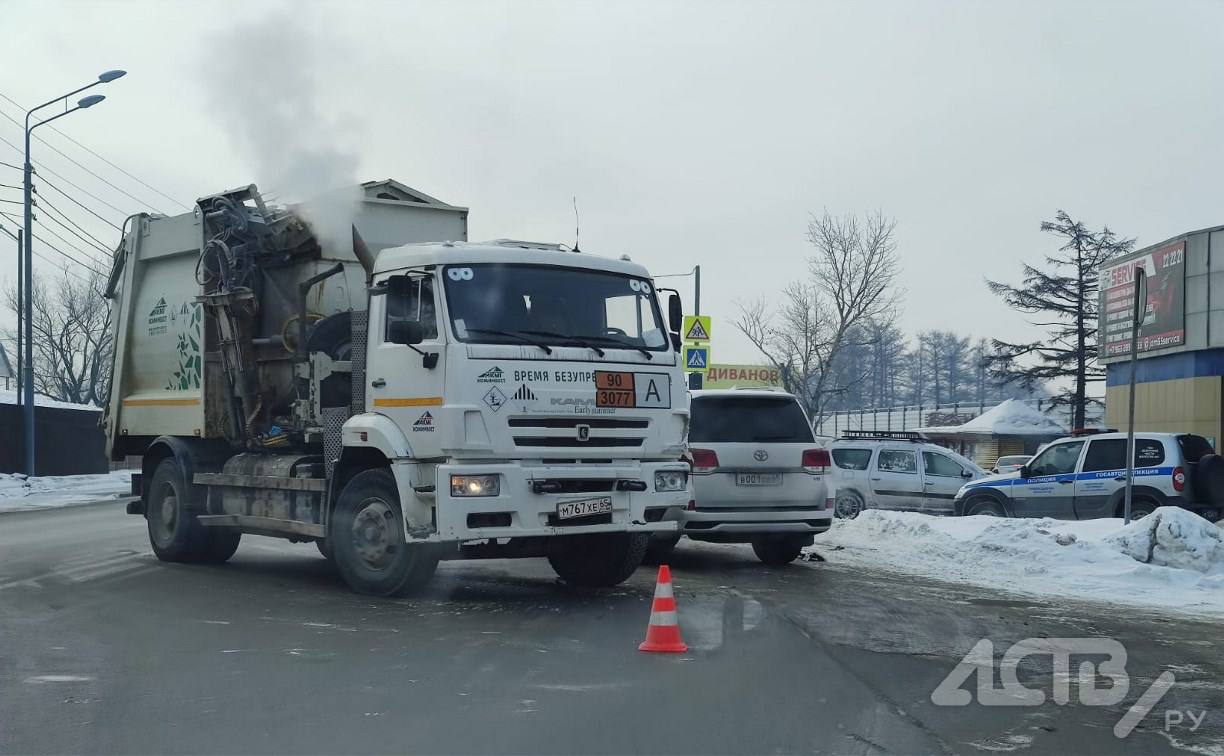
{"x": 816, "y": 461}
{"x": 1179, "y": 479}
{"x": 704, "y": 461}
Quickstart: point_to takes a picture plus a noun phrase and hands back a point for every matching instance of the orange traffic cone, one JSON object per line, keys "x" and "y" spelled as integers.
{"x": 663, "y": 633}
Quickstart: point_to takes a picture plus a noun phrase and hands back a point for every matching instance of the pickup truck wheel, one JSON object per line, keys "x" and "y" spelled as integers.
{"x": 778, "y": 551}
{"x": 660, "y": 550}
{"x": 984, "y": 505}
{"x": 367, "y": 539}
{"x": 174, "y": 533}
{"x": 597, "y": 560}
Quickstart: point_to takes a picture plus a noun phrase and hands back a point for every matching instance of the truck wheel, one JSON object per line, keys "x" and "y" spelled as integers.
{"x": 778, "y": 551}
{"x": 173, "y": 531}
{"x": 597, "y": 560}
{"x": 325, "y": 549}
{"x": 219, "y": 546}
{"x": 660, "y": 550}
{"x": 367, "y": 539}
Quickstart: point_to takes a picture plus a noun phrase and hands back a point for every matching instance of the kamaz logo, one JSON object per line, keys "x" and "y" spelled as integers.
{"x": 424, "y": 423}
{"x": 492, "y": 375}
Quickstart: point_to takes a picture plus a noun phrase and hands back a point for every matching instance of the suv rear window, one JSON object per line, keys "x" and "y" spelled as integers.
{"x": 852, "y": 459}
{"x": 1110, "y": 454}
{"x": 748, "y": 420}
{"x": 1194, "y": 448}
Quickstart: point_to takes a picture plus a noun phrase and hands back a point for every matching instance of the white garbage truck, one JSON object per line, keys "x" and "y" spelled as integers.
{"x": 396, "y": 405}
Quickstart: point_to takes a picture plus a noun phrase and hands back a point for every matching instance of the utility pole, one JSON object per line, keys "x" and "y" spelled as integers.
{"x": 1138, "y": 312}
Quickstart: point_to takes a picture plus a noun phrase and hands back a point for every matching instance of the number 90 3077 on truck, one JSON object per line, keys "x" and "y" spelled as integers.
{"x": 397, "y": 405}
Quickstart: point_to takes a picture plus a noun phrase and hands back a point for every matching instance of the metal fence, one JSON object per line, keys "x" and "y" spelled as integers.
{"x": 913, "y": 416}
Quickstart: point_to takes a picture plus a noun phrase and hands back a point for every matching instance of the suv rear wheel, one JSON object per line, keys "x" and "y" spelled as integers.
{"x": 778, "y": 551}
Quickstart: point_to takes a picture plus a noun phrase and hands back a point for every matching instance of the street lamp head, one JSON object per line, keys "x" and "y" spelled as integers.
{"x": 109, "y": 76}
{"x": 90, "y": 101}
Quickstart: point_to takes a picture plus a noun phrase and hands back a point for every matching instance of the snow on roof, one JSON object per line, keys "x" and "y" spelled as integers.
{"x": 6, "y": 368}
{"x": 9, "y": 396}
{"x": 1010, "y": 418}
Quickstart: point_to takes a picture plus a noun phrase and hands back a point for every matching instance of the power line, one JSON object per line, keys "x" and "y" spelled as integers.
{"x": 69, "y": 245}
{"x": 70, "y": 198}
{"x": 95, "y": 241}
{"x": 72, "y": 160}
{"x": 56, "y": 249}
{"x": 77, "y": 234}
{"x": 137, "y": 179}
{"x": 63, "y": 178}
{"x": 10, "y": 165}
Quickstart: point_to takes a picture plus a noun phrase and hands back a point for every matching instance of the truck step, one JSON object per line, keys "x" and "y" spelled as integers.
{"x": 263, "y": 525}
{"x": 261, "y": 481}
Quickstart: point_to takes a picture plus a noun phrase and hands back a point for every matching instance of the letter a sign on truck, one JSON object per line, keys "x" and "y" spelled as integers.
{"x": 696, "y": 328}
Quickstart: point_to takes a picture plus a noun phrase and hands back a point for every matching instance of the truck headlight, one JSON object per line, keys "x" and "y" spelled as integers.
{"x": 475, "y": 485}
{"x": 670, "y": 480}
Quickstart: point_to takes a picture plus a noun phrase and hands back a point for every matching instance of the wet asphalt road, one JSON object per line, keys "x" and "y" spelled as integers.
{"x": 105, "y": 650}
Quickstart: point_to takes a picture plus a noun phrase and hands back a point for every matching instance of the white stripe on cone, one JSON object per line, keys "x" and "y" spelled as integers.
{"x": 664, "y": 619}
{"x": 664, "y": 590}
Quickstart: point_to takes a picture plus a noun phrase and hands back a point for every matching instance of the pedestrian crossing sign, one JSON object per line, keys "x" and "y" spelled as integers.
{"x": 697, "y": 358}
{"x": 696, "y": 328}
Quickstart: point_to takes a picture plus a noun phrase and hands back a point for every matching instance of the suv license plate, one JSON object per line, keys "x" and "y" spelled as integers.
{"x": 568, "y": 510}
{"x": 758, "y": 479}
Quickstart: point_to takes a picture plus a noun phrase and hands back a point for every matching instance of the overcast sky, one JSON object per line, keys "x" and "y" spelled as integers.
{"x": 691, "y": 133}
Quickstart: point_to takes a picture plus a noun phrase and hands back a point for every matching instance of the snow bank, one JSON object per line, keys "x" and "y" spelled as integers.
{"x": 1171, "y": 560}
{"x": 19, "y": 493}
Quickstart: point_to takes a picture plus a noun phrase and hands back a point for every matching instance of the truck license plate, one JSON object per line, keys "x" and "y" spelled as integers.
{"x": 568, "y": 510}
{"x": 758, "y": 479}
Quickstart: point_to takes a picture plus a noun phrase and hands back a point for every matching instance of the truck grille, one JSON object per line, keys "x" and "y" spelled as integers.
{"x": 563, "y": 432}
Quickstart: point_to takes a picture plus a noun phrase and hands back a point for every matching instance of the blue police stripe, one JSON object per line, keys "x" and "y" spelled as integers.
{"x": 1140, "y": 472}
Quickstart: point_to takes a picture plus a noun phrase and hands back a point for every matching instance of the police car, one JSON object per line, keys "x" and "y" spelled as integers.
{"x": 1084, "y": 477}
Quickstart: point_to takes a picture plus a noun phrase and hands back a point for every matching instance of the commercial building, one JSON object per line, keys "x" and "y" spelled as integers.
{"x": 1180, "y": 370}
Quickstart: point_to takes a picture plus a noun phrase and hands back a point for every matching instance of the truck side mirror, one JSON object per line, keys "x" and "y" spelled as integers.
{"x": 675, "y": 313}
{"x": 407, "y": 332}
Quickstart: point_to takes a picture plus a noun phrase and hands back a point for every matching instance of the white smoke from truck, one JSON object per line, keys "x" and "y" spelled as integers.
{"x": 263, "y": 84}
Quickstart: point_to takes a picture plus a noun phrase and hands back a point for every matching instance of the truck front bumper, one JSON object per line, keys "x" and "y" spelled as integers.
{"x": 527, "y": 504}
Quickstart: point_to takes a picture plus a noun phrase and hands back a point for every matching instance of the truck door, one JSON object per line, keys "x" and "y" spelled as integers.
{"x": 895, "y": 482}
{"x": 398, "y": 384}
{"x": 1049, "y": 490}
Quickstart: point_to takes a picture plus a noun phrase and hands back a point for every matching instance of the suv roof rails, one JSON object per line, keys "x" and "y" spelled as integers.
{"x": 862, "y": 435}
{"x": 1091, "y": 431}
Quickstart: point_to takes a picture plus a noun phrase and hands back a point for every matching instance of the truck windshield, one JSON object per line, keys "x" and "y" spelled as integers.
{"x": 515, "y": 304}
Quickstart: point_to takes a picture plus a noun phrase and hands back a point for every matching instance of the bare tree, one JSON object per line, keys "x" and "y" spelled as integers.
{"x": 72, "y": 336}
{"x": 851, "y": 284}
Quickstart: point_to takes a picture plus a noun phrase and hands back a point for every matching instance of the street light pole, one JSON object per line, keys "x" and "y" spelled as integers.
{"x": 28, "y": 283}
{"x": 1138, "y": 312}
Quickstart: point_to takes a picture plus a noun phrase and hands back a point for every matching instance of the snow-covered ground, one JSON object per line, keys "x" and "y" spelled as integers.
{"x": 1170, "y": 560}
{"x": 19, "y": 493}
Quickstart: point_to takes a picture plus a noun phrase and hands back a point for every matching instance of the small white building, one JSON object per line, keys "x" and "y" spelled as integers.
{"x": 1011, "y": 427}
{"x": 7, "y": 374}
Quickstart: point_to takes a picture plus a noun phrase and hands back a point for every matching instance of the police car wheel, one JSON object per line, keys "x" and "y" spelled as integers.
{"x": 1141, "y": 508}
{"x": 986, "y": 507}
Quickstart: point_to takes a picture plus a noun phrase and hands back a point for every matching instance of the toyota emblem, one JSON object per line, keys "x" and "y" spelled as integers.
{"x": 584, "y": 432}
{"x": 760, "y": 455}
